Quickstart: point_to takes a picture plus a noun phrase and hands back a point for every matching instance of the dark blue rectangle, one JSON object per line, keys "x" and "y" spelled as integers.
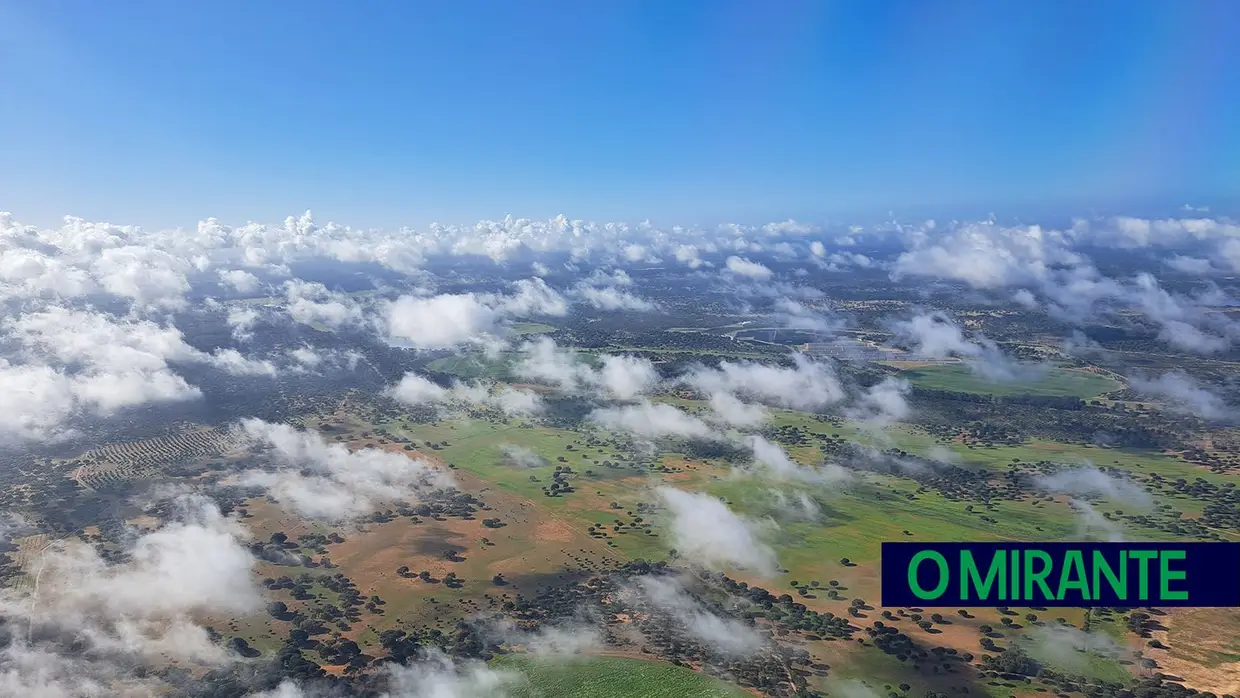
{"x": 1211, "y": 574}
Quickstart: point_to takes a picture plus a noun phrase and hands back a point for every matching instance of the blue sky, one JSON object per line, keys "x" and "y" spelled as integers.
{"x": 383, "y": 113}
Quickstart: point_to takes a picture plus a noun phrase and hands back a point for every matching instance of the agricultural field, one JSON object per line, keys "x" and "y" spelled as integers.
{"x": 610, "y": 514}
{"x": 610, "y": 677}
{"x": 1055, "y": 382}
{"x": 605, "y": 505}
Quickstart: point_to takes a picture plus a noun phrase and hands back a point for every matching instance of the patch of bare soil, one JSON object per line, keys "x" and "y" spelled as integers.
{"x": 1204, "y": 648}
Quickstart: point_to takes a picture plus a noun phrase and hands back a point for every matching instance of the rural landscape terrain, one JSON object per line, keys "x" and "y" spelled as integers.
{"x": 566, "y": 460}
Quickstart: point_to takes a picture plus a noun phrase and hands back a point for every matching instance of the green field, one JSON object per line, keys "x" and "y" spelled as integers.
{"x": 470, "y": 367}
{"x": 601, "y": 519}
{"x": 1057, "y": 382}
{"x": 523, "y": 328}
{"x": 610, "y": 677}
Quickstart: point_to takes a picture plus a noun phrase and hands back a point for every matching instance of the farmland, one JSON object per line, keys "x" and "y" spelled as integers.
{"x": 609, "y": 677}
{"x": 612, "y": 515}
{"x": 1054, "y": 382}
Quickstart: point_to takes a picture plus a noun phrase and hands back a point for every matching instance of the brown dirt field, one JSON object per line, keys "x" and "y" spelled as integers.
{"x": 553, "y": 530}
{"x": 906, "y": 365}
{"x": 532, "y": 387}
{"x": 371, "y": 553}
{"x": 862, "y": 581}
{"x": 1201, "y": 641}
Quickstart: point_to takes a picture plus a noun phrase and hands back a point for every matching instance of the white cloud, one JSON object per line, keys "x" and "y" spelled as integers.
{"x": 239, "y": 280}
{"x": 611, "y": 298}
{"x": 985, "y": 255}
{"x": 431, "y": 675}
{"x": 688, "y": 255}
{"x": 797, "y": 316}
{"x": 652, "y": 420}
{"x": 704, "y": 530}
{"x": 807, "y": 385}
{"x": 75, "y": 362}
{"x": 326, "y": 480}
{"x": 1184, "y": 394}
{"x": 936, "y": 336}
{"x": 521, "y": 456}
{"x": 312, "y": 303}
{"x": 749, "y": 269}
{"x": 418, "y": 390}
{"x": 1091, "y": 523}
{"x": 242, "y": 320}
{"x": 146, "y": 275}
{"x": 772, "y": 461}
{"x": 535, "y": 297}
{"x": 1190, "y": 265}
{"x": 729, "y": 637}
{"x": 306, "y": 357}
{"x": 1088, "y": 480}
{"x": 141, "y": 609}
{"x": 734, "y": 412}
{"x": 618, "y": 376}
{"x": 232, "y": 362}
{"x": 440, "y": 322}
{"x": 883, "y": 403}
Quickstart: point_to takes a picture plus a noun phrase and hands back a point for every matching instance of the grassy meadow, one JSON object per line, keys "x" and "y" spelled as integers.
{"x": 1056, "y": 382}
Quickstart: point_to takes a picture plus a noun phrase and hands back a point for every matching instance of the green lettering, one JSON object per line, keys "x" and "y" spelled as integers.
{"x": 913, "y": 584}
{"x": 1166, "y": 574}
{"x": 1102, "y": 568}
{"x": 1037, "y": 577}
{"x": 969, "y": 573}
{"x": 1014, "y": 582}
{"x": 1143, "y": 572}
{"x": 1072, "y": 576}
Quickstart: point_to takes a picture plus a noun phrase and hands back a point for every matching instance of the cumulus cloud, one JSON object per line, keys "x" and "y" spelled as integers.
{"x": 549, "y": 642}
{"x": 242, "y": 321}
{"x": 797, "y": 316}
{"x": 985, "y": 255}
{"x": 1067, "y": 648}
{"x": 610, "y": 298}
{"x": 535, "y": 297}
{"x": 1092, "y": 524}
{"x": 806, "y": 385}
{"x": 883, "y": 403}
{"x": 734, "y": 412}
{"x": 704, "y": 530}
{"x": 729, "y": 637}
{"x": 69, "y": 363}
{"x": 440, "y": 322}
{"x": 797, "y": 506}
{"x": 652, "y": 420}
{"x": 618, "y": 376}
{"x": 306, "y": 356}
{"x": 1190, "y": 265}
{"x": 1087, "y": 480}
{"x": 748, "y": 269}
{"x": 328, "y": 481}
{"x": 521, "y": 456}
{"x": 239, "y": 280}
{"x": 137, "y": 611}
{"x": 414, "y": 389}
{"x": 936, "y": 336}
{"x": 312, "y": 303}
{"x": 431, "y": 675}
{"x": 1184, "y": 394}
{"x": 688, "y": 255}
{"x": 773, "y": 462}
